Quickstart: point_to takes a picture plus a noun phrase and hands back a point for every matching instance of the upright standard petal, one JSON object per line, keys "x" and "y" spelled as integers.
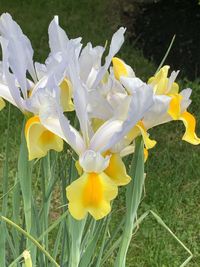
{"x": 22, "y": 60}
{"x": 116, "y": 43}
{"x": 57, "y": 37}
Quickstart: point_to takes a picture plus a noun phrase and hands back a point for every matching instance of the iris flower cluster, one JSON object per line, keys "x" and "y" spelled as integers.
{"x": 112, "y": 107}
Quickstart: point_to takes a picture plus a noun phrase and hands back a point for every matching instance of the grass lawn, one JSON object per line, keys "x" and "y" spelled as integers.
{"x": 173, "y": 173}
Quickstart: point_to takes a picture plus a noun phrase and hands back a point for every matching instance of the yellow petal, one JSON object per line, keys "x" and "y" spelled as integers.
{"x": 147, "y": 141}
{"x": 91, "y": 193}
{"x": 96, "y": 123}
{"x": 140, "y": 129}
{"x": 39, "y": 139}
{"x": 2, "y": 103}
{"x": 66, "y": 95}
{"x": 160, "y": 80}
{"x": 116, "y": 170}
{"x": 175, "y": 106}
{"x": 174, "y": 88}
{"x": 146, "y": 154}
{"x": 190, "y": 125}
{"x": 119, "y": 68}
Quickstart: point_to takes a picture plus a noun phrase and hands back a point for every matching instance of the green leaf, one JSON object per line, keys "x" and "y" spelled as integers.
{"x": 133, "y": 198}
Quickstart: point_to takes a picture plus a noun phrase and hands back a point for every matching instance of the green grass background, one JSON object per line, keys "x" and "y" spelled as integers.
{"x": 173, "y": 173}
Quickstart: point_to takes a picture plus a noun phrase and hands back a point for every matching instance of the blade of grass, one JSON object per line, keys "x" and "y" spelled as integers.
{"x": 115, "y": 244}
{"x": 166, "y": 54}
{"x": 161, "y": 222}
{"x": 31, "y": 238}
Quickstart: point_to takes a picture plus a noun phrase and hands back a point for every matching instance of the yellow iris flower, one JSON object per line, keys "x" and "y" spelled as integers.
{"x": 163, "y": 85}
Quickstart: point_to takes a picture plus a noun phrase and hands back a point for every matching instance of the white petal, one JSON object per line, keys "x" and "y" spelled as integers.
{"x": 20, "y": 50}
{"x": 113, "y": 131}
{"x": 90, "y": 60}
{"x": 131, "y": 83}
{"x": 80, "y": 93}
{"x": 92, "y": 161}
{"x": 5, "y": 93}
{"x": 186, "y": 101}
{"x": 46, "y": 103}
{"x": 98, "y": 106}
{"x": 104, "y": 134}
{"x": 57, "y": 37}
{"x": 157, "y": 114}
{"x": 172, "y": 79}
{"x": 41, "y": 70}
{"x": 116, "y": 43}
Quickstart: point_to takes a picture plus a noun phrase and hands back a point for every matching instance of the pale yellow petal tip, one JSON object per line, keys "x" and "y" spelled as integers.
{"x": 2, "y": 103}
{"x": 66, "y": 92}
{"x": 119, "y": 68}
{"x": 149, "y": 143}
{"x": 27, "y": 259}
{"x": 146, "y": 154}
{"x": 91, "y": 193}
{"x": 40, "y": 140}
{"x": 190, "y": 126}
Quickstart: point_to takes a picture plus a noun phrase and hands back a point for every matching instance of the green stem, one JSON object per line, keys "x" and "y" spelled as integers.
{"x": 133, "y": 198}
{"x": 5, "y": 198}
{"x": 76, "y": 229}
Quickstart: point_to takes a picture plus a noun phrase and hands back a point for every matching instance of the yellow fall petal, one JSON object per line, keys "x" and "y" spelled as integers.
{"x": 119, "y": 68}
{"x": 175, "y": 106}
{"x": 91, "y": 193}
{"x": 2, "y": 103}
{"x": 66, "y": 95}
{"x": 190, "y": 125}
{"x": 140, "y": 129}
{"x": 39, "y": 139}
{"x": 116, "y": 170}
